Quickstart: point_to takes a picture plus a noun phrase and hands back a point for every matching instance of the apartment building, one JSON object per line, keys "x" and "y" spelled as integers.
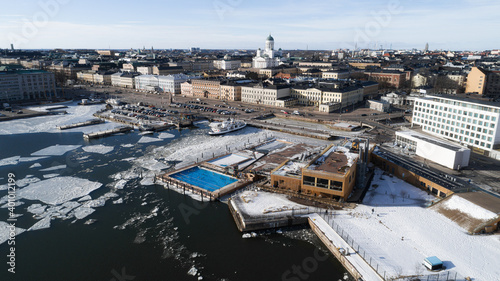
{"x": 204, "y": 88}
{"x": 264, "y": 93}
{"x": 24, "y": 84}
{"x": 483, "y": 82}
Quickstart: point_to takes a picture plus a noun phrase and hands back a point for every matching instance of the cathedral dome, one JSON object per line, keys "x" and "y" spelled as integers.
{"x": 270, "y": 38}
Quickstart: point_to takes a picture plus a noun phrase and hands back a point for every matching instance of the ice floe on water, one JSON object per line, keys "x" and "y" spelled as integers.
{"x": 32, "y": 158}
{"x": 55, "y": 150}
{"x": 148, "y": 140}
{"x": 48, "y": 176}
{"x": 127, "y": 145}
{"x": 85, "y": 198}
{"x": 101, "y": 149}
{"x": 120, "y": 184}
{"x": 54, "y": 168}
{"x": 5, "y": 231}
{"x": 58, "y": 190}
{"x": 36, "y": 165}
{"x": 10, "y": 161}
{"x": 166, "y": 136}
{"x": 41, "y": 224}
{"x": 27, "y": 180}
{"x": 82, "y": 212}
{"x": 49, "y": 123}
{"x": 119, "y": 201}
{"x": 37, "y": 209}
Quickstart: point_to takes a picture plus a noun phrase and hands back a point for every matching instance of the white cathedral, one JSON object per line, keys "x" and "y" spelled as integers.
{"x": 269, "y": 57}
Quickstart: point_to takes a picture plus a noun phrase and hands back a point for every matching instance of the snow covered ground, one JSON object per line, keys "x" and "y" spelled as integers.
{"x": 260, "y": 203}
{"x": 228, "y": 160}
{"x": 50, "y": 122}
{"x": 397, "y": 231}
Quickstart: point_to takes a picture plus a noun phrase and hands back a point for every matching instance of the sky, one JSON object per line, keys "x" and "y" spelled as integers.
{"x": 245, "y": 24}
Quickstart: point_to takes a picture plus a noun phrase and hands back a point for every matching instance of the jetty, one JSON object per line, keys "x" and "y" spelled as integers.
{"x": 107, "y": 133}
{"x": 81, "y": 124}
{"x": 351, "y": 259}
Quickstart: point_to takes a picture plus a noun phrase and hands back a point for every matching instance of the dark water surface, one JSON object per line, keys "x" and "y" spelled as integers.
{"x": 155, "y": 234}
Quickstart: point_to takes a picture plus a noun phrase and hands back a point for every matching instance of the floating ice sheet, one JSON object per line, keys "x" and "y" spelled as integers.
{"x": 5, "y": 230}
{"x": 166, "y": 136}
{"x": 36, "y": 165}
{"x": 41, "y": 224}
{"x": 10, "y": 161}
{"x": 55, "y": 150}
{"x": 148, "y": 140}
{"x": 58, "y": 190}
{"x": 101, "y": 149}
{"x": 48, "y": 176}
{"x": 82, "y": 212}
{"x": 53, "y": 168}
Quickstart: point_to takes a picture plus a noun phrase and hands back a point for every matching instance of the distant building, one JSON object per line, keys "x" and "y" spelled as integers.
{"x": 381, "y": 106}
{"x": 227, "y": 64}
{"x": 327, "y": 93}
{"x": 108, "y": 53}
{"x": 268, "y": 57}
{"x": 124, "y": 80}
{"x": 166, "y": 70}
{"x": 23, "y": 84}
{"x": 187, "y": 89}
{"x": 483, "y": 82}
{"x": 161, "y": 83}
{"x": 204, "y": 88}
{"x": 471, "y": 122}
{"x": 391, "y": 78}
{"x": 264, "y": 93}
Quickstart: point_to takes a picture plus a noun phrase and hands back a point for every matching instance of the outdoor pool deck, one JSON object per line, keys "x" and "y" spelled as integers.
{"x": 209, "y": 184}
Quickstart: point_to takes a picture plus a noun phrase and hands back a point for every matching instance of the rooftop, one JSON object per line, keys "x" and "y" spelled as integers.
{"x": 336, "y": 159}
{"x": 435, "y": 141}
{"x": 463, "y": 99}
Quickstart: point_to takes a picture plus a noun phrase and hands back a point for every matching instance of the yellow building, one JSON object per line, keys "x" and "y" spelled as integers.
{"x": 476, "y": 81}
{"x": 230, "y": 92}
{"x": 206, "y": 88}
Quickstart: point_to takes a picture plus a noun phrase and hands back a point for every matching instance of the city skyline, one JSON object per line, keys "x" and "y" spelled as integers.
{"x": 238, "y": 24}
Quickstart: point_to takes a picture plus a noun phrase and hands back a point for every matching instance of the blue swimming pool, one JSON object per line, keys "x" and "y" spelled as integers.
{"x": 203, "y": 178}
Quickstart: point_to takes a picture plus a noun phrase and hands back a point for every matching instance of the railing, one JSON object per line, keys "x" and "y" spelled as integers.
{"x": 443, "y": 276}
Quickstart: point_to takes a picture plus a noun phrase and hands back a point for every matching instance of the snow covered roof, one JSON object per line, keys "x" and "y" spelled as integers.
{"x": 334, "y": 160}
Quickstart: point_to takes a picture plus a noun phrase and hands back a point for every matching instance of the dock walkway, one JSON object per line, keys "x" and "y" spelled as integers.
{"x": 351, "y": 260}
{"x": 81, "y": 124}
{"x": 107, "y": 133}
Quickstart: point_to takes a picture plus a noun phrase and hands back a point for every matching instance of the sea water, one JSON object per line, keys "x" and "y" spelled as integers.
{"x": 138, "y": 230}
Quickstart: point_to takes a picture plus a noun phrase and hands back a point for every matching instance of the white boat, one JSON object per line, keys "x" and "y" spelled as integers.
{"x": 230, "y": 125}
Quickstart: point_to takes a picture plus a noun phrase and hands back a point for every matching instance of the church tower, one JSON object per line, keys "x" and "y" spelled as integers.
{"x": 269, "y": 43}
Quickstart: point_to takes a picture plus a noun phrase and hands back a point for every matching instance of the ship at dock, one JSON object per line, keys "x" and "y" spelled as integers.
{"x": 227, "y": 126}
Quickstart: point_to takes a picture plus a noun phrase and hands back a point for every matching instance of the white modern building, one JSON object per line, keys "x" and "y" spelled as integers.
{"x": 379, "y": 105}
{"x": 227, "y": 63}
{"x": 470, "y": 122}
{"x": 440, "y": 151}
{"x": 268, "y": 57}
{"x": 264, "y": 93}
{"x": 162, "y": 83}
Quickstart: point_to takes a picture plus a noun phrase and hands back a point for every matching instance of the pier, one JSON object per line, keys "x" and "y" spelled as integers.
{"x": 81, "y": 124}
{"x": 107, "y": 133}
{"x": 345, "y": 254}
